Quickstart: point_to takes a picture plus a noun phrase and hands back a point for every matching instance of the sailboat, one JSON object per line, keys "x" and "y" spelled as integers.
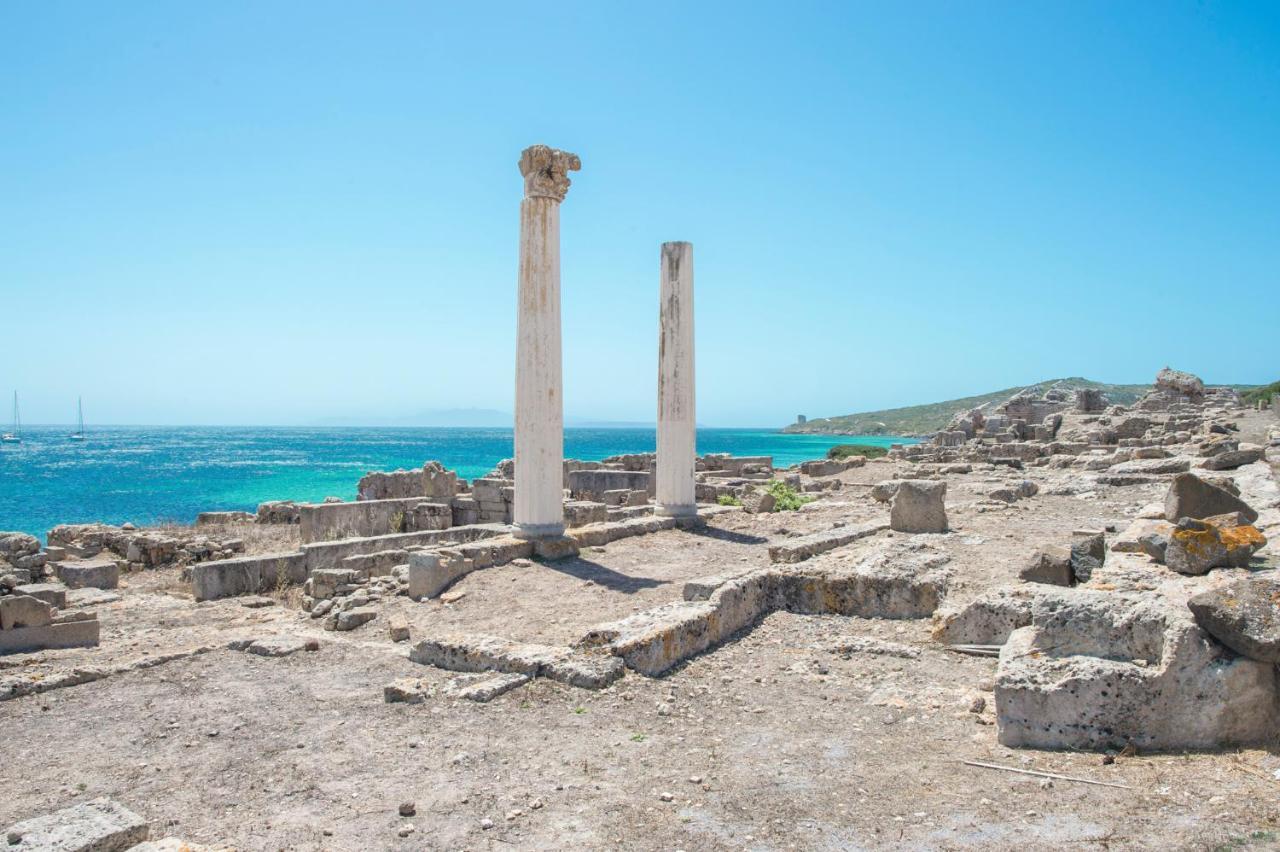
{"x": 14, "y": 437}
{"x": 78, "y": 435}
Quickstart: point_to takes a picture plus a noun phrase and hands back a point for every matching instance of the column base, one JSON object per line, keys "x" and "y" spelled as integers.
{"x": 668, "y": 511}
{"x": 537, "y": 531}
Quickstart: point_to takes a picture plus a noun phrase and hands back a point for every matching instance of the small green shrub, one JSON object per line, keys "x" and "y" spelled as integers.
{"x": 844, "y": 451}
{"x": 1264, "y": 393}
{"x": 786, "y": 498}
{"x": 728, "y": 500}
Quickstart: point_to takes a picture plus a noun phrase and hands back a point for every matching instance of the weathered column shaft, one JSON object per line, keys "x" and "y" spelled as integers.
{"x": 677, "y": 423}
{"x": 539, "y": 432}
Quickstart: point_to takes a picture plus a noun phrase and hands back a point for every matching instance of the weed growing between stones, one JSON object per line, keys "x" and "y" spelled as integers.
{"x": 786, "y": 498}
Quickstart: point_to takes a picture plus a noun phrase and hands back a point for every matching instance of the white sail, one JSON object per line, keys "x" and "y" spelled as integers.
{"x": 78, "y": 435}
{"x": 14, "y": 437}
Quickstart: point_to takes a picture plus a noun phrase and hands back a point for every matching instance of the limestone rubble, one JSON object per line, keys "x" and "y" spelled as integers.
{"x": 1120, "y": 658}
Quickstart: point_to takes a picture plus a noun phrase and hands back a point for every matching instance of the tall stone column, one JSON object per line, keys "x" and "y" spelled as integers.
{"x": 677, "y": 424}
{"x": 539, "y": 476}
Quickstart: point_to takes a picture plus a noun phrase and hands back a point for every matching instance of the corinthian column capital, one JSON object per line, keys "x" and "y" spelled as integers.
{"x": 546, "y": 171}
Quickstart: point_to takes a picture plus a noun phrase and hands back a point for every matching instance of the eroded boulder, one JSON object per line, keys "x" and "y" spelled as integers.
{"x": 1232, "y": 459}
{"x": 1224, "y": 541}
{"x": 1190, "y": 496}
{"x": 1179, "y": 382}
{"x": 1243, "y": 615}
{"x": 1088, "y": 553}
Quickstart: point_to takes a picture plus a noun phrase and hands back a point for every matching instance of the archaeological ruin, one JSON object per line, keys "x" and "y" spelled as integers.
{"x": 1053, "y": 590}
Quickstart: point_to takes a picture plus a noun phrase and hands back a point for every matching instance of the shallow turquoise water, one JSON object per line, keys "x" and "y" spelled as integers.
{"x": 148, "y": 474}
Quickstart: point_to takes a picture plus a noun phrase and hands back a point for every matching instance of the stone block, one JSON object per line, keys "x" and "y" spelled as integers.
{"x": 1130, "y": 539}
{"x": 360, "y": 519}
{"x": 465, "y": 511}
{"x": 350, "y": 619}
{"x": 329, "y": 554}
{"x": 556, "y": 547}
{"x": 95, "y": 573}
{"x": 615, "y": 497}
{"x": 431, "y": 516}
{"x": 701, "y": 588}
{"x": 882, "y": 492}
{"x": 23, "y": 611}
{"x": 53, "y": 594}
{"x": 1101, "y": 669}
{"x": 214, "y": 518}
{"x": 1088, "y": 552}
{"x": 584, "y": 670}
{"x": 828, "y": 467}
{"x": 246, "y": 575}
{"x": 433, "y": 571}
{"x": 580, "y": 513}
{"x": 278, "y": 512}
{"x": 67, "y": 630}
{"x": 1050, "y": 565}
{"x": 757, "y": 502}
{"x": 13, "y": 577}
{"x": 804, "y": 547}
{"x": 405, "y": 690}
{"x": 432, "y": 481}
{"x": 488, "y": 687}
{"x": 1232, "y": 459}
{"x": 919, "y": 506}
{"x": 281, "y": 646}
{"x": 479, "y": 653}
{"x": 99, "y": 825}
{"x": 377, "y": 564}
{"x": 592, "y": 484}
{"x": 992, "y": 617}
{"x": 1151, "y": 467}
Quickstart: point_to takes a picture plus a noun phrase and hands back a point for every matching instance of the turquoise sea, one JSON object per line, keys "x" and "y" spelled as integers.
{"x": 149, "y": 474}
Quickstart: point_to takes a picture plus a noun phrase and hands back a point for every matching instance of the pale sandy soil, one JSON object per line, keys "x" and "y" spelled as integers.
{"x": 794, "y": 745}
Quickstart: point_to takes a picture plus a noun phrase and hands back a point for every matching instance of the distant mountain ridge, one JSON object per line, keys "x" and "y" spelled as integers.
{"x": 915, "y": 420}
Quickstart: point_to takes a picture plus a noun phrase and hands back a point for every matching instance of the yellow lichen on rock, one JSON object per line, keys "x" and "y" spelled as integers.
{"x": 1244, "y": 536}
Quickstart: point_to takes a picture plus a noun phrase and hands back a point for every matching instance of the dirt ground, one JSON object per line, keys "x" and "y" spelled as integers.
{"x": 775, "y": 740}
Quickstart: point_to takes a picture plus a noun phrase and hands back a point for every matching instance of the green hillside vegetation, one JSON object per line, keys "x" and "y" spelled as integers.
{"x": 844, "y": 451}
{"x": 1264, "y": 393}
{"x": 927, "y": 419}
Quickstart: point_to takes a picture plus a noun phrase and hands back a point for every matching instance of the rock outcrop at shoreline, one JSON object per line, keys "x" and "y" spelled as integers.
{"x": 925, "y": 420}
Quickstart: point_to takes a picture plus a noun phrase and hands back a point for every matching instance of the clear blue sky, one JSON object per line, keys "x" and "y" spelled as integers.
{"x": 284, "y": 212}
